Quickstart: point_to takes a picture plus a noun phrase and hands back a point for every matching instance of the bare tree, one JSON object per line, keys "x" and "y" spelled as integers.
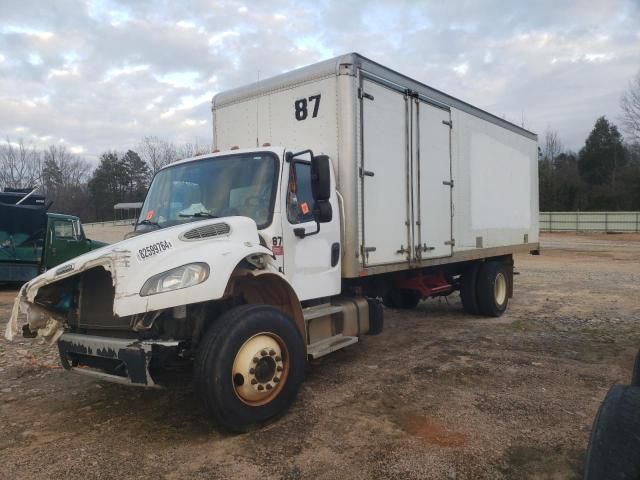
{"x": 157, "y": 153}
{"x": 630, "y": 104}
{"x": 20, "y": 165}
{"x": 198, "y": 147}
{"x": 73, "y": 171}
{"x": 552, "y": 145}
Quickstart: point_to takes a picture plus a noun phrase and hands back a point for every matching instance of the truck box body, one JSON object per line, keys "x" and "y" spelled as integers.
{"x": 424, "y": 178}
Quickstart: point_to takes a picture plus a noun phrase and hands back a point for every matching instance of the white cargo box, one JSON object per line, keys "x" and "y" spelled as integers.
{"x": 424, "y": 178}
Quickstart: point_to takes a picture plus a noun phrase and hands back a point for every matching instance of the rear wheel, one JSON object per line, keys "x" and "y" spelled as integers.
{"x": 403, "y": 298}
{"x": 492, "y": 288}
{"x": 468, "y": 293}
{"x": 249, "y": 366}
{"x": 615, "y": 438}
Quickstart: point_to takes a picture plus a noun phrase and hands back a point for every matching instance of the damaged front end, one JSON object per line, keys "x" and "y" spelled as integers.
{"x": 131, "y": 309}
{"x": 77, "y": 313}
{"x": 57, "y": 300}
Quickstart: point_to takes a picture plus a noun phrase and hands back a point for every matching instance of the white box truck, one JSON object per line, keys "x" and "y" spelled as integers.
{"x": 329, "y": 188}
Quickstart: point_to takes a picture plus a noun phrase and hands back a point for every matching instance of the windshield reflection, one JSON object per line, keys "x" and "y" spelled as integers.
{"x": 242, "y": 184}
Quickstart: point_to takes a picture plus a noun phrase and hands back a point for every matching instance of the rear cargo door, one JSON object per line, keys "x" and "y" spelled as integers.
{"x": 384, "y": 174}
{"x": 432, "y": 182}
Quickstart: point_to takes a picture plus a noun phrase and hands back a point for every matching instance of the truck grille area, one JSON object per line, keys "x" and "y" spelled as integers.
{"x": 95, "y": 302}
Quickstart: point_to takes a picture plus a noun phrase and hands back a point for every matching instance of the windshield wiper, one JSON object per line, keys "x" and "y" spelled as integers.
{"x": 149, "y": 222}
{"x": 198, "y": 214}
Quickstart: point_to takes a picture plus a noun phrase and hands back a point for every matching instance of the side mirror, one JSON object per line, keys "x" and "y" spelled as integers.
{"x": 320, "y": 178}
{"x": 322, "y": 211}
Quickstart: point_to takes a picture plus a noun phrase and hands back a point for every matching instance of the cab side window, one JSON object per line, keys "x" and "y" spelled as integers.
{"x": 299, "y": 198}
{"x": 64, "y": 229}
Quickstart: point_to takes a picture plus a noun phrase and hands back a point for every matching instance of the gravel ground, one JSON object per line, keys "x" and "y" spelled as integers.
{"x": 440, "y": 394}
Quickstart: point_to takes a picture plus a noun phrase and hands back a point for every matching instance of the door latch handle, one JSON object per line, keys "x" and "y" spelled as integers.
{"x": 423, "y": 248}
{"x": 366, "y": 173}
{"x": 367, "y": 250}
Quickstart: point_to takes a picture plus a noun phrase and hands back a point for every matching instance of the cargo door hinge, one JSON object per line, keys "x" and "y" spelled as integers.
{"x": 449, "y": 122}
{"x": 362, "y": 94}
{"x": 451, "y": 242}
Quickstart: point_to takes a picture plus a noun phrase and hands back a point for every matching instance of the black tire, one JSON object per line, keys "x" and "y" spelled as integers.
{"x": 468, "y": 293}
{"x": 376, "y": 316}
{"x": 635, "y": 375}
{"x": 615, "y": 437}
{"x": 387, "y": 300}
{"x": 492, "y": 288}
{"x": 403, "y": 298}
{"x": 215, "y": 382}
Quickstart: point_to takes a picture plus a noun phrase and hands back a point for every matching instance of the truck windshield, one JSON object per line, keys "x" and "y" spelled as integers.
{"x": 242, "y": 184}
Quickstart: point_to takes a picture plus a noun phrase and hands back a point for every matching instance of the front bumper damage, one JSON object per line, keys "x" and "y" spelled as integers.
{"x": 118, "y": 360}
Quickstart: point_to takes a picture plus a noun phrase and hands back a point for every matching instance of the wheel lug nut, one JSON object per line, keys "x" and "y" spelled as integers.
{"x": 272, "y": 352}
{"x": 260, "y": 387}
{"x": 269, "y": 387}
{"x": 278, "y": 359}
{"x": 254, "y": 381}
{"x": 252, "y": 371}
{"x": 255, "y": 359}
{"x": 279, "y": 369}
{"x": 276, "y": 379}
{"x": 263, "y": 353}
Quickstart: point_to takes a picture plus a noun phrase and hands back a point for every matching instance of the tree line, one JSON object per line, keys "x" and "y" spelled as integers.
{"x": 604, "y": 174}
{"x": 75, "y": 188}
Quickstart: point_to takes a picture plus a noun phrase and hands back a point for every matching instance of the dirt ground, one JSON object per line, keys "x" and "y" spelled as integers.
{"x": 440, "y": 394}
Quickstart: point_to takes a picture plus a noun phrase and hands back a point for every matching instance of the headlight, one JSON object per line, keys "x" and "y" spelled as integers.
{"x": 175, "y": 279}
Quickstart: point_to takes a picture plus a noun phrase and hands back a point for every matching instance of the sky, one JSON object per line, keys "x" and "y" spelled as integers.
{"x": 98, "y": 75}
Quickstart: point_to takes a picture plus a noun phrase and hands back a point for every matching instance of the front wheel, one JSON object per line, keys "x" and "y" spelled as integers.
{"x": 249, "y": 366}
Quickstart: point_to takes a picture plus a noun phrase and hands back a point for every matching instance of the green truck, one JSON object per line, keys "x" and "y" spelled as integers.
{"x": 32, "y": 240}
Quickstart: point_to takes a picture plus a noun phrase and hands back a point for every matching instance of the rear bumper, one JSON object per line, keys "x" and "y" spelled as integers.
{"x": 116, "y": 360}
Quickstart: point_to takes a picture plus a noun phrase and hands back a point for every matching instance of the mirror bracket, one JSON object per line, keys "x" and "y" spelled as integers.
{"x": 300, "y": 232}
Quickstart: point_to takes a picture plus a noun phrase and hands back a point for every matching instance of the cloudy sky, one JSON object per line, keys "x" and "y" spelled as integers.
{"x": 101, "y": 74}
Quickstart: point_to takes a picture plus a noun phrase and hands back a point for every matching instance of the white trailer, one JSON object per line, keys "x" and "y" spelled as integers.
{"x": 329, "y": 187}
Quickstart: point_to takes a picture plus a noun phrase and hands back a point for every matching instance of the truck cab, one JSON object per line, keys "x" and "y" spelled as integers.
{"x": 272, "y": 187}
{"x": 65, "y": 239}
{"x": 33, "y": 240}
{"x": 235, "y": 266}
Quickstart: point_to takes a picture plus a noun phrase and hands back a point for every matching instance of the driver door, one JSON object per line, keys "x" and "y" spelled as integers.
{"x": 312, "y": 263}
